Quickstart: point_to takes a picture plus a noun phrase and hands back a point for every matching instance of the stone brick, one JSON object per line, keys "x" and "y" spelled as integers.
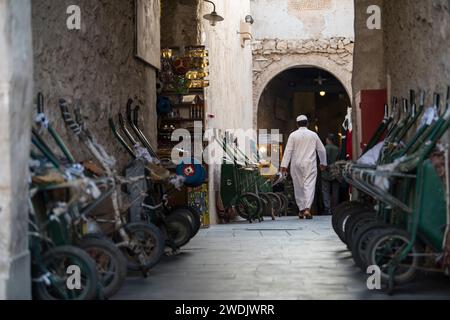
{"x": 332, "y": 50}
{"x": 322, "y": 43}
{"x": 257, "y": 46}
{"x": 282, "y": 46}
{"x": 309, "y": 45}
{"x": 292, "y": 45}
{"x": 269, "y": 45}
{"x": 350, "y": 47}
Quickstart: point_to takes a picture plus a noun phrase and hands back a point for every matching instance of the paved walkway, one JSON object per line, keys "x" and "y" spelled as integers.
{"x": 286, "y": 259}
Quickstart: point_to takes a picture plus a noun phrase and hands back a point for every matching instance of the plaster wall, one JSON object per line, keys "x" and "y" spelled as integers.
{"x": 229, "y": 97}
{"x": 417, "y": 46}
{"x": 411, "y": 51}
{"x": 95, "y": 67}
{"x": 16, "y": 85}
{"x": 179, "y": 23}
{"x": 302, "y": 19}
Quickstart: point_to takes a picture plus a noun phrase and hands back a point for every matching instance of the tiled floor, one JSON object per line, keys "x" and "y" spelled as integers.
{"x": 286, "y": 259}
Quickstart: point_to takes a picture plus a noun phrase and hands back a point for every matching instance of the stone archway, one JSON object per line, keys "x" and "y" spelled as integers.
{"x": 339, "y": 64}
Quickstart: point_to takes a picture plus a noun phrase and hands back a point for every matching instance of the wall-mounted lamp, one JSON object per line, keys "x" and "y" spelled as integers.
{"x": 245, "y": 33}
{"x": 322, "y": 93}
{"x": 249, "y": 19}
{"x": 213, "y": 17}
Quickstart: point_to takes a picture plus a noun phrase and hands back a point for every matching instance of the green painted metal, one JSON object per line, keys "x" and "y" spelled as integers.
{"x": 229, "y": 186}
{"x": 237, "y": 180}
{"x": 431, "y": 207}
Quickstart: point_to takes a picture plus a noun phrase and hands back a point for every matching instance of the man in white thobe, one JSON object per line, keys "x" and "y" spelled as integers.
{"x": 301, "y": 153}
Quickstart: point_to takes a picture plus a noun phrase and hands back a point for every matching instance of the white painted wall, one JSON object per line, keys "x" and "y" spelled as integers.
{"x": 229, "y": 96}
{"x": 281, "y": 19}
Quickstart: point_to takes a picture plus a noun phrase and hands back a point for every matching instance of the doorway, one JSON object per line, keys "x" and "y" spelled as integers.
{"x": 310, "y": 91}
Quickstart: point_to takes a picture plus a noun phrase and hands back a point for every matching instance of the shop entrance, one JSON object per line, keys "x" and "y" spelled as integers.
{"x": 311, "y": 91}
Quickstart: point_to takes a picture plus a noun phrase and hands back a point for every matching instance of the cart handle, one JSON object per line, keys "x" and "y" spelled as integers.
{"x": 40, "y": 102}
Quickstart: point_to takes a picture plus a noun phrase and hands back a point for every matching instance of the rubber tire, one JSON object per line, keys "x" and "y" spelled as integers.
{"x": 343, "y": 218}
{"x": 361, "y": 239}
{"x": 111, "y": 287}
{"x": 158, "y": 248}
{"x": 285, "y": 203}
{"x": 194, "y": 218}
{"x": 389, "y": 232}
{"x": 88, "y": 269}
{"x": 277, "y": 204}
{"x": 338, "y": 210}
{"x": 355, "y": 222}
{"x": 267, "y": 205}
{"x": 242, "y": 212}
{"x": 179, "y": 227}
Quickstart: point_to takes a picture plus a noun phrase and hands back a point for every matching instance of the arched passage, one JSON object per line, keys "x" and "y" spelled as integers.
{"x": 307, "y": 90}
{"x": 271, "y": 69}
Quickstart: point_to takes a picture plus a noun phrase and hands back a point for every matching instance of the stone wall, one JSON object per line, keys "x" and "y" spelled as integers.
{"x": 273, "y": 56}
{"x": 369, "y": 65}
{"x": 16, "y": 86}
{"x": 369, "y": 70}
{"x": 410, "y": 52}
{"x": 417, "y": 45}
{"x": 179, "y": 23}
{"x": 95, "y": 66}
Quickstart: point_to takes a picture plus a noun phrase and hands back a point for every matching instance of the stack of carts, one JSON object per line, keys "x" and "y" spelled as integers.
{"x": 244, "y": 189}
{"x": 400, "y": 220}
{"x": 89, "y": 216}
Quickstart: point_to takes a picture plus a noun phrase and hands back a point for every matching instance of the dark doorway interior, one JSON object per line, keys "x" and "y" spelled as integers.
{"x": 310, "y": 91}
{"x": 298, "y": 91}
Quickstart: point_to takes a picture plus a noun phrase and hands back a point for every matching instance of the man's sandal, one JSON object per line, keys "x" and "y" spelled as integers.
{"x": 301, "y": 215}
{"x": 308, "y": 215}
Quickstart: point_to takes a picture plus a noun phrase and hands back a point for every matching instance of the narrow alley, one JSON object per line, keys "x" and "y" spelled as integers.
{"x": 285, "y": 259}
{"x": 224, "y": 150}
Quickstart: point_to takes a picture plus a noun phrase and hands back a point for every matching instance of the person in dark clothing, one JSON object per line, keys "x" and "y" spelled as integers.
{"x": 330, "y": 186}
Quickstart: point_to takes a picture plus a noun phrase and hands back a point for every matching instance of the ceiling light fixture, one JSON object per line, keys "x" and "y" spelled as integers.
{"x": 213, "y": 17}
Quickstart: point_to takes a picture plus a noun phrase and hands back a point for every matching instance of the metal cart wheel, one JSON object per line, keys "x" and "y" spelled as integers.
{"x": 193, "y": 217}
{"x": 249, "y": 206}
{"x": 146, "y": 246}
{"x": 355, "y": 222}
{"x": 361, "y": 240}
{"x": 179, "y": 227}
{"x": 267, "y": 205}
{"x": 277, "y": 204}
{"x": 385, "y": 246}
{"x": 110, "y": 262}
{"x": 343, "y": 218}
{"x": 285, "y": 204}
{"x": 57, "y": 262}
{"x": 339, "y": 210}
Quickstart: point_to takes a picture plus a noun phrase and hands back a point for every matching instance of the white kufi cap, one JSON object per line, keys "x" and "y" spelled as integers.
{"x": 302, "y": 118}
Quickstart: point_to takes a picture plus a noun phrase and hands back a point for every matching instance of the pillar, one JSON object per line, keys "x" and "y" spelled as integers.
{"x": 16, "y": 80}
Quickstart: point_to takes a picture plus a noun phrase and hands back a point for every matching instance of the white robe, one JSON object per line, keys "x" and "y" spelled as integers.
{"x": 300, "y": 152}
